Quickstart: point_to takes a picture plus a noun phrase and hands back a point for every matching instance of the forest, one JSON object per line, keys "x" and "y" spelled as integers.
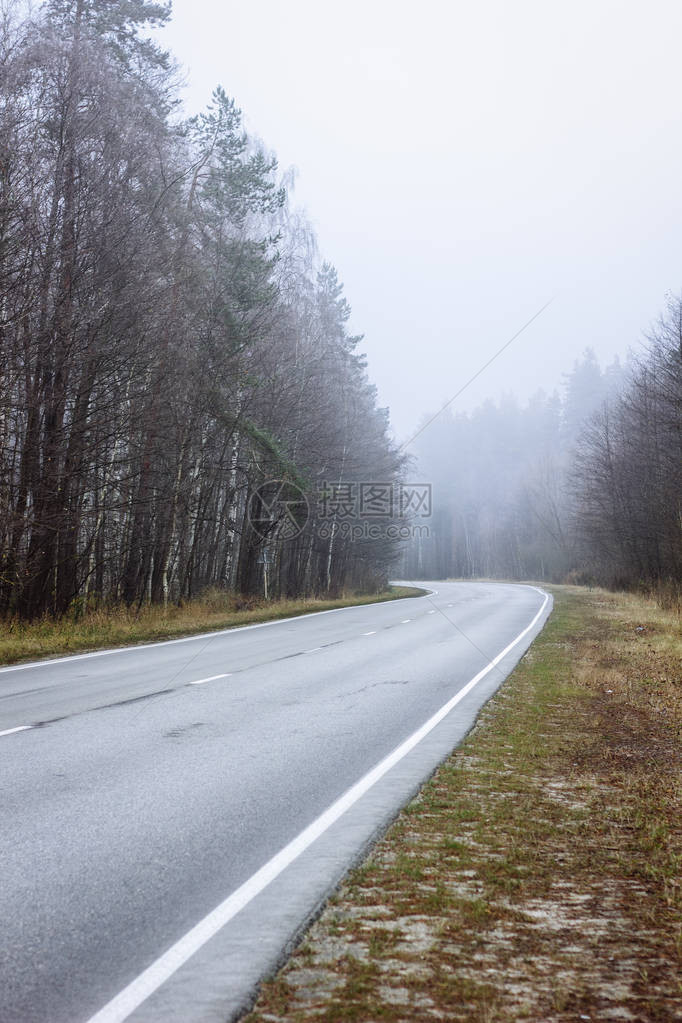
{"x": 583, "y": 485}
{"x": 180, "y": 391}
{"x": 171, "y": 340}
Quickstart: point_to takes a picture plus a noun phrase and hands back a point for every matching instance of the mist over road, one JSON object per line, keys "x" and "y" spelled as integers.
{"x": 149, "y": 785}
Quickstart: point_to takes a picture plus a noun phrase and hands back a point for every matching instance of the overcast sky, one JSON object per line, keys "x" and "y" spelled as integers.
{"x": 463, "y": 163}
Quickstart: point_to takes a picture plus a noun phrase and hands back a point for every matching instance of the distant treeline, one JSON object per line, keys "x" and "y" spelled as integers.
{"x": 169, "y": 339}
{"x": 584, "y": 485}
{"x": 627, "y": 473}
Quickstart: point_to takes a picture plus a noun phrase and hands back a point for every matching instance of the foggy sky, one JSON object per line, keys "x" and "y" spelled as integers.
{"x": 463, "y": 163}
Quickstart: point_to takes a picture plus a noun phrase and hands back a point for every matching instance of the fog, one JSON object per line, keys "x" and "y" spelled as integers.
{"x": 493, "y": 189}
{"x": 462, "y": 165}
{"x": 304, "y": 306}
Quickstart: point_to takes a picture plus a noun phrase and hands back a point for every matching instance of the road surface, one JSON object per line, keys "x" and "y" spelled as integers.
{"x": 173, "y": 814}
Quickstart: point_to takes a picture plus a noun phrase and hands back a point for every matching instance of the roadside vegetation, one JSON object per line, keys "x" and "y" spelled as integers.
{"x": 123, "y": 626}
{"x": 537, "y": 875}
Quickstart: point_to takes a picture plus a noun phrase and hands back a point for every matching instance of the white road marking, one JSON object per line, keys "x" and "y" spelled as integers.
{"x": 312, "y": 650}
{"x": 405, "y": 621}
{"x": 432, "y": 612}
{"x": 211, "y": 678}
{"x": 370, "y": 633}
{"x": 132, "y": 996}
{"x": 19, "y": 728}
{"x": 202, "y": 635}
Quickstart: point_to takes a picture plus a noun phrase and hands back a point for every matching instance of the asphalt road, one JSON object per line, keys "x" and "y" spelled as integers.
{"x": 165, "y": 838}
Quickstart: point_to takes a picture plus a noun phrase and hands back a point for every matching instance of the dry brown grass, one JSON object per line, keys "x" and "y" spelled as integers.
{"x": 122, "y": 626}
{"x": 537, "y": 876}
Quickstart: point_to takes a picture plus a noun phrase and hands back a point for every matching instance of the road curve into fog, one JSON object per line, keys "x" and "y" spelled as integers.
{"x": 175, "y": 813}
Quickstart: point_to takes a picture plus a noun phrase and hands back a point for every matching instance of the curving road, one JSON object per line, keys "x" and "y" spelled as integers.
{"x": 173, "y": 814}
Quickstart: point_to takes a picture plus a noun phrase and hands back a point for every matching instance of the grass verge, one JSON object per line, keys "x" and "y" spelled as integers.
{"x": 537, "y": 875}
{"x": 25, "y": 641}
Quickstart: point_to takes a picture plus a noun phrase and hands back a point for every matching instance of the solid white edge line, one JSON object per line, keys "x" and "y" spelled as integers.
{"x": 19, "y": 728}
{"x": 132, "y": 996}
{"x": 204, "y": 635}
{"x": 211, "y": 678}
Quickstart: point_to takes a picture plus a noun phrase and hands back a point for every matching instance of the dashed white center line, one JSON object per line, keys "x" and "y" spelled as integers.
{"x": 370, "y": 633}
{"x": 432, "y": 612}
{"x": 211, "y": 678}
{"x": 124, "y": 1004}
{"x": 405, "y": 621}
{"x": 19, "y": 728}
